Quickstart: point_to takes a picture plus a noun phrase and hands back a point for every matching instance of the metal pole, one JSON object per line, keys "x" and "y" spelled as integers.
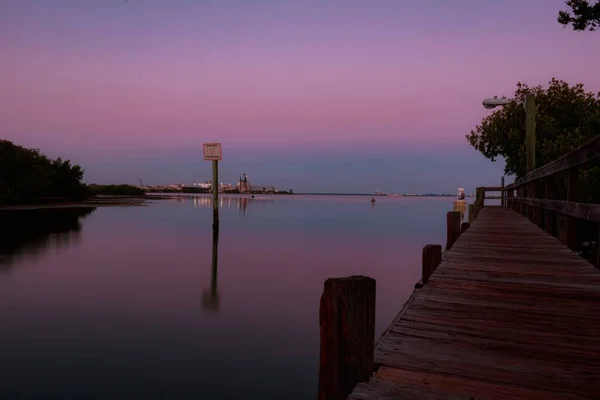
{"x": 215, "y": 190}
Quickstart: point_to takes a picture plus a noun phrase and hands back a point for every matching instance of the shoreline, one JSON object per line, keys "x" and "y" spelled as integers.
{"x": 100, "y": 201}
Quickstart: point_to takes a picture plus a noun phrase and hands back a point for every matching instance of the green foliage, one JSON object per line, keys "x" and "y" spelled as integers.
{"x": 28, "y": 176}
{"x": 583, "y": 15}
{"x": 116, "y": 190}
{"x": 567, "y": 116}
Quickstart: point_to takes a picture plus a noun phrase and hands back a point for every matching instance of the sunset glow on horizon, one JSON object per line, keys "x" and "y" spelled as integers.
{"x": 82, "y": 78}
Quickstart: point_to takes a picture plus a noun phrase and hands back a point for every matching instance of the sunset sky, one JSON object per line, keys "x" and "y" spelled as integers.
{"x": 311, "y": 95}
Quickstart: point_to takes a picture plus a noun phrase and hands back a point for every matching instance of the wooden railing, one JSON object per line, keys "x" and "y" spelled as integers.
{"x": 567, "y": 219}
{"x": 480, "y": 197}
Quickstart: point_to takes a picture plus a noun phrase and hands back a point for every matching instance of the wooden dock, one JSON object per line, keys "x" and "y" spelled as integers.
{"x": 510, "y": 313}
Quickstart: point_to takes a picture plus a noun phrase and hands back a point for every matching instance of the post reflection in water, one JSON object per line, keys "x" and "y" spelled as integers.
{"x": 210, "y": 297}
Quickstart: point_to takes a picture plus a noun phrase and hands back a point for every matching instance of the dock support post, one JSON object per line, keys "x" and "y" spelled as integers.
{"x": 452, "y": 228}
{"x": 471, "y": 213}
{"x": 432, "y": 257}
{"x": 464, "y": 226}
{"x": 347, "y": 325}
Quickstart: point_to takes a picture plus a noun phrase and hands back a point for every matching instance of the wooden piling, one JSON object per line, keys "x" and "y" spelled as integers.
{"x": 347, "y": 325}
{"x": 464, "y": 226}
{"x": 452, "y": 228}
{"x": 471, "y": 213}
{"x": 432, "y": 257}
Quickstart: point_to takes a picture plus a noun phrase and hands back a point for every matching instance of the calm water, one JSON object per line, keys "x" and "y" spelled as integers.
{"x": 122, "y": 302}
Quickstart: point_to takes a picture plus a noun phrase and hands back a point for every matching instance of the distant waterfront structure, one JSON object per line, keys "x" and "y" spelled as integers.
{"x": 243, "y": 185}
{"x": 203, "y": 185}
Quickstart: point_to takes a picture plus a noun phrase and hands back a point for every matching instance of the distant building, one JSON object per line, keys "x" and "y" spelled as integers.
{"x": 243, "y": 186}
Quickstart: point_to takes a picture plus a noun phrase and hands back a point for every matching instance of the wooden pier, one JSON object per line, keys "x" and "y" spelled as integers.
{"x": 511, "y": 310}
{"x": 511, "y": 313}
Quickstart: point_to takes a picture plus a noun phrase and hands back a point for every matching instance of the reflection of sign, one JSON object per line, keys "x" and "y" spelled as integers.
{"x": 212, "y": 151}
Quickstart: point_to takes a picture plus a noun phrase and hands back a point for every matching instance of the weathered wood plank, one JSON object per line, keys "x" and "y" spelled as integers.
{"x": 502, "y": 300}
{"x": 485, "y": 364}
{"x": 378, "y": 389}
{"x": 509, "y": 313}
{"x": 534, "y": 349}
{"x": 475, "y": 388}
{"x": 504, "y": 334}
{"x": 585, "y": 211}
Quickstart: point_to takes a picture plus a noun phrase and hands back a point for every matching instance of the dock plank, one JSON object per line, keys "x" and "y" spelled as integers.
{"x": 509, "y": 313}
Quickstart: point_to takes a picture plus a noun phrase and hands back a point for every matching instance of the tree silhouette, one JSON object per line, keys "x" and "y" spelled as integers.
{"x": 582, "y": 16}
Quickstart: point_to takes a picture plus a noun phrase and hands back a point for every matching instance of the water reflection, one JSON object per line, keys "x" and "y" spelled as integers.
{"x": 210, "y": 297}
{"x": 32, "y": 232}
{"x": 239, "y": 202}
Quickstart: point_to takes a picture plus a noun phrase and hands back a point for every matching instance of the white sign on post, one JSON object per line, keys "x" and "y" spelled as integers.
{"x": 212, "y": 151}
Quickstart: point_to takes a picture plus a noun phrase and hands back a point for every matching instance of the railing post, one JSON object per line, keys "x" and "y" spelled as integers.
{"x": 347, "y": 325}
{"x": 598, "y": 248}
{"x": 502, "y": 194}
{"x": 523, "y": 195}
{"x": 471, "y": 213}
{"x": 531, "y": 209}
{"x": 452, "y": 228}
{"x": 510, "y": 195}
{"x": 548, "y": 215}
{"x": 479, "y": 199}
{"x": 571, "y": 222}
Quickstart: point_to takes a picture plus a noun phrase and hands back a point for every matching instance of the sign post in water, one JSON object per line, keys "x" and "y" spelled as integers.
{"x": 213, "y": 152}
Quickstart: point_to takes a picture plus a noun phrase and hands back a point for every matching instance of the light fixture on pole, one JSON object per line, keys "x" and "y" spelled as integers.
{"x": 494, "y": 102}
{"x": 530, "y": 110}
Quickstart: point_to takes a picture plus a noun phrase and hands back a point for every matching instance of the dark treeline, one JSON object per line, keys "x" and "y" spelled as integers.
{"x": 28, "y": 176}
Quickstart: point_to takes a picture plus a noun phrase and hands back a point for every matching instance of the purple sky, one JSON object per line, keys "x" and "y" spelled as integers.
{"x": 313, "y": 95}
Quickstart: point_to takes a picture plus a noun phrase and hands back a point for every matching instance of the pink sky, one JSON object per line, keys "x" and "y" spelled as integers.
{"x": 107, "y": 76}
